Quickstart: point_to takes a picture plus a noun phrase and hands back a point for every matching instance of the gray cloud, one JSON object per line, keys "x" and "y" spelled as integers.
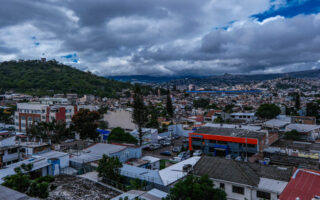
{"x": 182, "y": 37}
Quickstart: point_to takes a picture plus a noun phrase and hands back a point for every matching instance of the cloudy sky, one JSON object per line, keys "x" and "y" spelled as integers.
{"x": 164, "y": 37}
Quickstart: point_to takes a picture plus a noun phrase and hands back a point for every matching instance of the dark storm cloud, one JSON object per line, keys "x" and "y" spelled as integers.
{"x": 160, "y": 37}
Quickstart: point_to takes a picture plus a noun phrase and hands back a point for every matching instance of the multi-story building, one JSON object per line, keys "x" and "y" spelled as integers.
{"x": 225, "y": 141}
{"x": 10, "y": 152}
{"x": 47, "y": 110}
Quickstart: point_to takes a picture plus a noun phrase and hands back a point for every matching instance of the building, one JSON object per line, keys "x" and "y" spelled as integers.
{"x": 153, "y": 194}
{"x": 308, "y": 132}
{"x": 244, "y": 180}
{"x": 48, "y": 163}
{"x": 149, "y": 135}
{"x": 295, "y": 148}
{"x": 46, "y": 110}
{"x": 10, "y": 152}
{"x": 94, "y": 153}
{"x": 304, "y": 120}
{"x": 163, "y": 179}
{"x": 304, "y": 185}
{"x": 247, "y": 117}
{"x": 224, "y": 141}
{"x": 148, "y": 162}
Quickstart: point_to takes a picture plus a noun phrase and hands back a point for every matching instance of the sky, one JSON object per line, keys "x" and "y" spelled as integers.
{"x": 164, "y": 37}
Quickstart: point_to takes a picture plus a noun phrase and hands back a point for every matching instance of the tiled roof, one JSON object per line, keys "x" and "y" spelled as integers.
{"x": 239, "y": 172}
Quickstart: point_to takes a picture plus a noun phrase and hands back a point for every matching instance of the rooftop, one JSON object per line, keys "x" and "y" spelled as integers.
{"x": 9, "y": 194}
{"x": 233, "y": 132}
{"x": 305, "y": 146}
{"x": 240, "y": 172}
{"x": 304, "y": 184}
{"x": 96, "y": 151}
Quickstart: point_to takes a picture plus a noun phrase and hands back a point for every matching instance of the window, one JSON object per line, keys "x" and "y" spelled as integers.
{"x": 222, "y": 186}
{"x": 221, "y": 142}
{"x": 263, "y": 195}
{"x": 15, "y": 150}
{"x": 23, "y": 118}
{"x": 251, "y": 145}
{"x": 29, "y": 118}
{"x": 238, "y": 190}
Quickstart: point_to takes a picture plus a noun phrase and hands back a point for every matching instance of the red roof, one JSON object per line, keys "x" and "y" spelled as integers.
{"x": 304, "y": 184}
{"x": 212, "y": 112}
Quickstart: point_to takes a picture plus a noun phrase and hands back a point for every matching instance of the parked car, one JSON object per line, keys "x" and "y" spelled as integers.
{"x": 165, "y": 142}
{"x": 166, "y": 153}
{"x": 154, "y": 146}
{"x": 197, "y": 153}
{"x": 177, "y": 149}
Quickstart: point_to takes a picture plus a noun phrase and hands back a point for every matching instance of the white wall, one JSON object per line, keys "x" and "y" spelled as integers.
{"x": 250, "y": 193}
{"x": 8, "y": 141}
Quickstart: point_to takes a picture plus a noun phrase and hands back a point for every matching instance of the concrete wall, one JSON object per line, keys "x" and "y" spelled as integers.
{"x": 250, "y": 193}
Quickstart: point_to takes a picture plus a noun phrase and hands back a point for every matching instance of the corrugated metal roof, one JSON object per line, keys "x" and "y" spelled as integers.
{"x": 175, "y": 172}
{"x": 305, "y": 184}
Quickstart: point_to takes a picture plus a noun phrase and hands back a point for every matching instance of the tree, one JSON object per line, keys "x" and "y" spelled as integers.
{"x": 195, "y": 188}
{"x": 228, "y": 108}
{"x": 85, "y": 122}
{"x": 119, "y": 135}
{"x": 268, "y": 111}
{"x": 312, "y": 109}
{"x": 54, "y": 130}
{"x": 109, "y": 168}
{"x": 153, "y": 117}
{"x": 293, "y": 135}
{"x": 201, "y": 103}
{"x": 103, "y": 125}
{"x": 297, "y": 101}
{"x": 169, "y": 106}
{"x": 139, "y": 114}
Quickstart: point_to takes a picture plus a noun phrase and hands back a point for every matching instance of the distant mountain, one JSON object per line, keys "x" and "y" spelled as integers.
{"x": 148, "y": 79}
{"x": 47, "y": 78}
{"x": 236, "y": 79}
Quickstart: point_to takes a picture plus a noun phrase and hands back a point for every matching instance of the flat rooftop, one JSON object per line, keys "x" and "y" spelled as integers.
{"x": 305, "y": 146}
{"x": 232, "y": 132}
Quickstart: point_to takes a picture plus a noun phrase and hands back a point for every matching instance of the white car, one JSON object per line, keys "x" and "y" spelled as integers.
{"x": 197, "y": 153}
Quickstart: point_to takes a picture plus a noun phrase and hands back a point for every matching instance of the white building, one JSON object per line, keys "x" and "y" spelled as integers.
{"x": 243, "y": 180}
{"x": 46, "y": 110}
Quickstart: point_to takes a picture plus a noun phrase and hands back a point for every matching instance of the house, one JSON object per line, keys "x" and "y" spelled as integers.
{"x": 95, "y": 152}
{"x": 149, "y": 135}
{"x": 247, "y": 117}
{"x": 304, "y": 120}
{"x": 276, "y": 124}
{"x": 210, "y": 115}
{"x": 309, "y": 132}
{"x": 163, "y": 179}
{"x": 224, "y": 141}
{"x": 304, "y": 185}
{"x": 243, "y": 180}
{"x": 10, "y": 152}
{"x": 295, "y": 148}
{"x": 48, "y": 163}
{"x": 153, "y": 194}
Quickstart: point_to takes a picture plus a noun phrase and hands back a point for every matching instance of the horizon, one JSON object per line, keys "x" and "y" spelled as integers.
{"x": 162, "y": 38}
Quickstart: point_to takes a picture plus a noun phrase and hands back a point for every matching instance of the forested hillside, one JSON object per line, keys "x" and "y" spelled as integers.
{"x": 47, "y": 78}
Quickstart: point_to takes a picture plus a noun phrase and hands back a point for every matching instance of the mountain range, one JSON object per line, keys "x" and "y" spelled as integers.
{"x": 216, "y": 80}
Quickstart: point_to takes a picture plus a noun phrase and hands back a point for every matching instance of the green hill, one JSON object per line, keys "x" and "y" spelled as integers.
{"x": 47, "y": 78}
